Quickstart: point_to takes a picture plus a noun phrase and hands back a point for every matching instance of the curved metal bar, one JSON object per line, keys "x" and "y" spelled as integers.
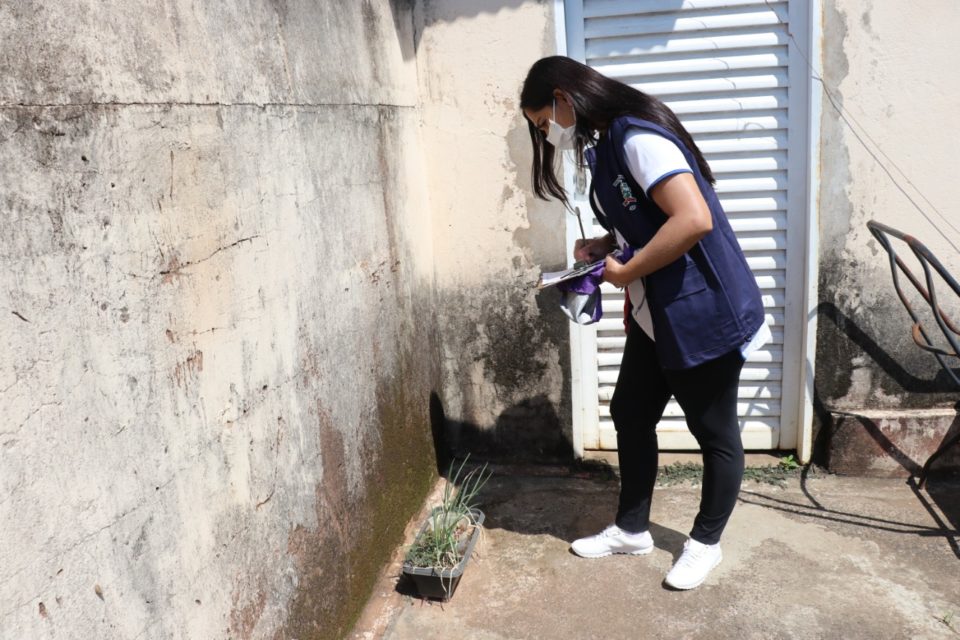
{"x": 923, "y": 255}
{"x": 921, "y": 340}
{"x": 879, "y": 231}
{"x": 920, "y": 337}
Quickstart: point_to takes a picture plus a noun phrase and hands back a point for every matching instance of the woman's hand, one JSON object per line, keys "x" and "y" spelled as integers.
{"x": 616, "y": 273}
{"x": 593, "y": 249}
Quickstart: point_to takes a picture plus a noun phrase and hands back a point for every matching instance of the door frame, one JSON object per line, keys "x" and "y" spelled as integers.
{"x": 569, "y": 20}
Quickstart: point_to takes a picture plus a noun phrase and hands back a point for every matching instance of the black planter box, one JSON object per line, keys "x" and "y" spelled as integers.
{"x": 441, "y": 584}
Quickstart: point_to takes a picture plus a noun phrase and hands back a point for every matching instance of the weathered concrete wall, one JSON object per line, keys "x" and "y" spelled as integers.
{"x": 505, "y": 347}
{"x": 892, "y": 443}
{"x": 885, "y": 67}
{"x": 216, "y": 260}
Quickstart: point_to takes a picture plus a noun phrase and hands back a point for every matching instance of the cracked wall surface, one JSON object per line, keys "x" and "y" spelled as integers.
{"x": 884, "y": 69}
{"x": 216, "y": 252}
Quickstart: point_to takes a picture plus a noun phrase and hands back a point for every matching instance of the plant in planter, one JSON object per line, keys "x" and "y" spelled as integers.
{"x": 436, "y": 559}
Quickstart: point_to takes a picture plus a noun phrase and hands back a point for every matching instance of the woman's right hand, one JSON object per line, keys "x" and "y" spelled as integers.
{"x": 593, "y": 249}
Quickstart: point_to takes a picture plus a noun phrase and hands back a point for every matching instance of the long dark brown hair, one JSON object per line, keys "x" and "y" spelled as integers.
{"x": 597, "y": 101}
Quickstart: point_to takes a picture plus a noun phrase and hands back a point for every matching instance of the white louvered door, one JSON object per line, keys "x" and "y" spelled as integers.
{"x": 728, "y": 68}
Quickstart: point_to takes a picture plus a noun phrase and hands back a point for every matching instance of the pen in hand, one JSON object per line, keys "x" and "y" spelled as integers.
{"x": 580, "y": 222}
{"x": 583, "y": 236}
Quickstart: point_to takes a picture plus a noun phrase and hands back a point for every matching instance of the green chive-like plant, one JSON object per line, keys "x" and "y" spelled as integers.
{"x": 442, "y": 543}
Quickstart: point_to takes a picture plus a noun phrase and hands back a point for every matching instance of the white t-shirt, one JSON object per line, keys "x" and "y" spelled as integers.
{"x": 651, "y": 158}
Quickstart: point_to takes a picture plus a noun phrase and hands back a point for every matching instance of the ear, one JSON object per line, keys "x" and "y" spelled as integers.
{"x": 561, "y": 96}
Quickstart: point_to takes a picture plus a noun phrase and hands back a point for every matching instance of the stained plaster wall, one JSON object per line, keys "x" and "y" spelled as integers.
{"x": 886, "y": 68}
{"x": 505, "y": 346}
{"x": 216, "y": 260}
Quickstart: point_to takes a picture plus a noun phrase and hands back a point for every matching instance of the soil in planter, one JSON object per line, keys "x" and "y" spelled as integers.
{"x": 462, "y": 533}
{"x": 441, "y": 582}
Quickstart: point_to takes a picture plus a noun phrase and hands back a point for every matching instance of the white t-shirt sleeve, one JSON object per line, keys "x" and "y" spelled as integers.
{"x": 651, "y": 158}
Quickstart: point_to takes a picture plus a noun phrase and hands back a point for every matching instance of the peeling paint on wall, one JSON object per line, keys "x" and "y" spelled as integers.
{"x": 505, "y": 346}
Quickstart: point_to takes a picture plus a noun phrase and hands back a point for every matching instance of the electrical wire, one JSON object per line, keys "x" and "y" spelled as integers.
{"x": 847, "y": 118}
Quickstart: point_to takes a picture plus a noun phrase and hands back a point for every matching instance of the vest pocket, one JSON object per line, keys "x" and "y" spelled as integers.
{"x": 693, "y": 282}
{"x": 679, "y": 280}
{"x": 698, "y": 321}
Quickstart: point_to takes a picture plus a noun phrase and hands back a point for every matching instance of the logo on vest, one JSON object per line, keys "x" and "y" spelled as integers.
{"x": 628, "y": 200}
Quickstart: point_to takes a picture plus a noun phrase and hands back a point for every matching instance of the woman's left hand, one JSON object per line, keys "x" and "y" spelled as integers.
{"x": 615, "y": 273}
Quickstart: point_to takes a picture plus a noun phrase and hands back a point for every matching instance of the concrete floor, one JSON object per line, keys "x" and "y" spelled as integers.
{"x": 825, "y": 557}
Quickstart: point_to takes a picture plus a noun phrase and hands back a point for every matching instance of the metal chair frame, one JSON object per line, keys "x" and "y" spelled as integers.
{"x": 921, "y": 337}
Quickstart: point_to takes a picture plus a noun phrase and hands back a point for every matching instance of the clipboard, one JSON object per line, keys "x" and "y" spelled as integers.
{"x": 551, "y": 278}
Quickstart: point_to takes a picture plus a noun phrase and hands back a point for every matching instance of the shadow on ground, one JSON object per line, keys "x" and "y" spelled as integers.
{"x": 940, "y": 499}
{"x": 823, "y": 557}
{"x": 845, "y": 338}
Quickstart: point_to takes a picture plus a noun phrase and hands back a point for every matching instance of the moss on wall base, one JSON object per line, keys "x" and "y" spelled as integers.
{"x": 340, "y": 560}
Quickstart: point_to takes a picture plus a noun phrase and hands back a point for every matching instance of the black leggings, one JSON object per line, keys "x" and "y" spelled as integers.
{"x": 707, "y": 394}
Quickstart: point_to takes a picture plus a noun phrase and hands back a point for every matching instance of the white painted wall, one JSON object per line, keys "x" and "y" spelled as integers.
{"x": 505, "y": 359}
{"x": 242, "y": 248}
{"x": 216, "y": 254}
{"x": 888, "y": 68}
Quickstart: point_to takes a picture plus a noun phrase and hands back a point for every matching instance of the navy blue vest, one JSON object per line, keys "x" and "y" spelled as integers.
{"x": 706, "y": 303}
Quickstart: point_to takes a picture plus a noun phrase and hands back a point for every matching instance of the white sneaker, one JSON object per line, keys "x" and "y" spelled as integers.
{"x": 613, "y": 539}
{"x": 696, "y": 561}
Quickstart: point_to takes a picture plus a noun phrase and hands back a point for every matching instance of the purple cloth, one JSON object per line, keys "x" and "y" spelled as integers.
{"x": 580, "y": 297}
{"x": 587, "y": 283}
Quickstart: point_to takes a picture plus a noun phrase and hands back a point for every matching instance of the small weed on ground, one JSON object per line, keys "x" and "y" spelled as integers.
{"x": 679, "y": 472}
{"x": 948, "y": 619}
{"x": 692, "y": 472}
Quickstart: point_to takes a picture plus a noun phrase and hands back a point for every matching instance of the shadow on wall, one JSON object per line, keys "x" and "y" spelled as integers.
{"x": 412, "y": 17}
{"x": 856, "y": 341}
{"x": 415, "y": 16}
{"x": 529, "y": 430}
{"x": 840, "y": 340}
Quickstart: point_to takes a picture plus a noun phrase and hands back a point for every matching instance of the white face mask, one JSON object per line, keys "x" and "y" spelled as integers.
{"x": 560, "y": 137}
